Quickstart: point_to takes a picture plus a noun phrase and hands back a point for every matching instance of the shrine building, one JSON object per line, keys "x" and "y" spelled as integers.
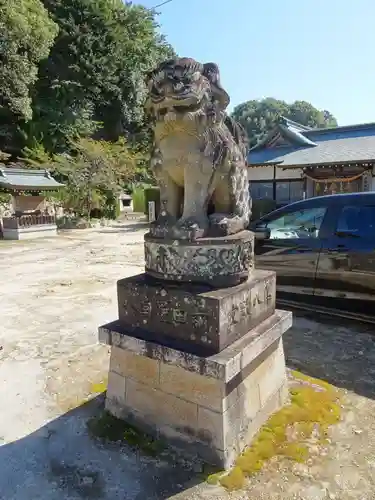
{"x": 294, "y": 162}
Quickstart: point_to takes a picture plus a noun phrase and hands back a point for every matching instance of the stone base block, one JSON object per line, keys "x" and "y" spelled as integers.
{"x": 219, "y": 262}
{"x": 204, "y": 321}
{"x": 209, "y": 407}
{"x": 30, "y": 233}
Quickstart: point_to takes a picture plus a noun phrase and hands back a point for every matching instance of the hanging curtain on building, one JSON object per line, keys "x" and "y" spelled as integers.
{"x": 332, "y": 184}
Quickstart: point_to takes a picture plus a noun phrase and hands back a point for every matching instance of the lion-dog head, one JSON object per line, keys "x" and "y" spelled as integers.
{"x": 183, "y": 89}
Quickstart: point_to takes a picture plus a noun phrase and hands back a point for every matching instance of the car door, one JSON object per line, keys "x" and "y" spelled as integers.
{"x": 292, "y": 248}
{"x": 346, "y": 270}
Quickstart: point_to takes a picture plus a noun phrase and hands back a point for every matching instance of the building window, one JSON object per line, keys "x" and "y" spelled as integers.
{"x": 261, "y": 190}
{"x": 292, "y": 190}
{"x": 282, "y": 191}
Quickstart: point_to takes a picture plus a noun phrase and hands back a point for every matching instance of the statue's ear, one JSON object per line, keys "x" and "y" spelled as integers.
{"x": 212, "y": 73}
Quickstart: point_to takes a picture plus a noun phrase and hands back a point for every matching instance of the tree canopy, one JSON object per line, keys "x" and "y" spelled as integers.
{"x": 94, "y": 172}
{"x": 73, "y": 68}
{"x": 93, "y": 80}
{"x": 259, "y": 116}
{"x": 26, "y": 35}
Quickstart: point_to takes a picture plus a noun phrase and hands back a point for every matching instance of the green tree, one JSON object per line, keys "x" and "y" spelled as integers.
{"x": 259, "y": 116}
{"x": 303, "y": 112}
{"x": 5, "y": 198}
{"x": 26, "y": 35}
{"x": 93, "y": 80}
{"x": 94, "y": 172}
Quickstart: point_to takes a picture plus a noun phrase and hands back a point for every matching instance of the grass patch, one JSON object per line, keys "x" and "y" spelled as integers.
{"x": 108, "y": 428}
{"x": 314, "y": 407}
{"x": 98, "y": 387}
{"x": 233, "y": 481}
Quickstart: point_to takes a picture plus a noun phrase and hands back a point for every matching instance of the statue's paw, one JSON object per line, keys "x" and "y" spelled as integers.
{"x": 162, "y": 226}
{"x": 224, "y": 224}
{"x": 190, "y": 228}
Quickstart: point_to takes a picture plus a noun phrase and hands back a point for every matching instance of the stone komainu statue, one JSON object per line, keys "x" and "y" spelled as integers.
{"x": 199, "y": 155}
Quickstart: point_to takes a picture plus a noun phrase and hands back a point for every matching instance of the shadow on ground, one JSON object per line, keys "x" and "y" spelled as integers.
{"x": 61, "y": 462}
{"x": 340, "y": 353}
{"x": 125, "y": 228}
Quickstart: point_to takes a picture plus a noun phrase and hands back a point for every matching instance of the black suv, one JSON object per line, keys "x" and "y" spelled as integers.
{"x": 323, "y": 251}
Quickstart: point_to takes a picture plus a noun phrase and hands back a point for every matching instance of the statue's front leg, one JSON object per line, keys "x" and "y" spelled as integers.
{"x": 170, "y": 199}
{"x": 197, "y": 191}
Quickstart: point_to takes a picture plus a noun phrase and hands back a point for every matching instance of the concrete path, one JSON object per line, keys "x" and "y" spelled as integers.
{"x": 54, "y": 294}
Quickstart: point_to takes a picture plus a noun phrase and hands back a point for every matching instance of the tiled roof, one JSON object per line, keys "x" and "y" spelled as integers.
{"x": 353, "y": 143}
{"x": 14, "y": 178}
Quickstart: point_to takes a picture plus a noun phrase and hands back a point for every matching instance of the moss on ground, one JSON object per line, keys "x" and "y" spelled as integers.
{"x": 98, "y": 388}
{"x": 314, "y": 407}
{"x": 108, "y": 428}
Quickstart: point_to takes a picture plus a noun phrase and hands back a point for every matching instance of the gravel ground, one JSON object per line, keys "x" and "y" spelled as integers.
{"x": 55, "y": 293}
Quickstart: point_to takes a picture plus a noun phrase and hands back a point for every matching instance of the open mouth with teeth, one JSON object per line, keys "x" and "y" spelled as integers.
{"x": 163, "y": 109}
{"x": 180, "y": 109}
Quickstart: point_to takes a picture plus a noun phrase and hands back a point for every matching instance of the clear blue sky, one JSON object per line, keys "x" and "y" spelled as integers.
{"x": 321, "y": 51}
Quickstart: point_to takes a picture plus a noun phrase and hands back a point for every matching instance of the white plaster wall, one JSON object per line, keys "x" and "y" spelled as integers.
{"x": 266, "y": 173}
{"x": 290, "y": 173}
{"x": 260, "y": 173}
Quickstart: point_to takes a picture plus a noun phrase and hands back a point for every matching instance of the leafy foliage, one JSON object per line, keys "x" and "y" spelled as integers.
{"x": 259, "y": 116}
{"x": 36, "y": 156}
{"x": 5, "y": 198}
{"x": 94, "y": 172}
{"x": 93, "y": 80}
{"x": 26, "y": 35}
{"x": 3, "y": 157}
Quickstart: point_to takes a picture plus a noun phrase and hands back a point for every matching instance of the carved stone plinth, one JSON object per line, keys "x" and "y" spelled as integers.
{"x": 219, "y": 262}
{"x": 206, "y": 406}
{"x": 194, "y": 317}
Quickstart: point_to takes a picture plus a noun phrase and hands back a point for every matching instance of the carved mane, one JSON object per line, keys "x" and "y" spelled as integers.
{"x": 238, "y": 132}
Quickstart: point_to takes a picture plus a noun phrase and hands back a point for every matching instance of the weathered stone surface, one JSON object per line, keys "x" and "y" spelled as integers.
{"x": 271, "y": 373}
{"x": 218, "y": 262}
{"x": 264, "y": 380}
{"x": 199, "y": 156}
{"x": 208, "y": 320}
{"x": 222, "y": 366}
{"x": 116, "y": 387}
{"x": 230, "y": 432}
{"x": 160, "y": 408}
{"x": 205, "y": 391}
{"x": 214, "y": 418}
{"x": 141, "y": 368}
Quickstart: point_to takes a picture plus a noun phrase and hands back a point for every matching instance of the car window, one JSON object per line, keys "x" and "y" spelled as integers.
{"x": 299, "y": 224}
{"x": 357, "y": 220}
